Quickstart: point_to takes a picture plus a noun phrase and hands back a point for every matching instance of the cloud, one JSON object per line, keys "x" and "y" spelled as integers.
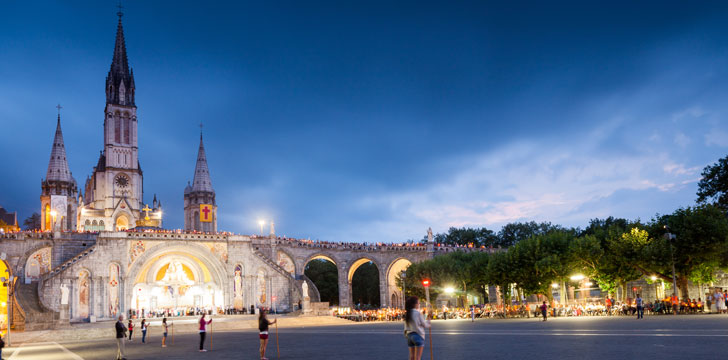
{"x": 692, "y": 112}
{"x": 682, "y": 140}
{"x": 717, "y": 138}
{"x": 680, "y": 169}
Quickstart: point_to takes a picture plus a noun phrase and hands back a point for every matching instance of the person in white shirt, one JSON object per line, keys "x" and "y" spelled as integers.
{"x": 414, "y": 327}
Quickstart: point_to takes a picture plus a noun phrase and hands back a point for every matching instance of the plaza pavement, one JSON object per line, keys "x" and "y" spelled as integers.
{"x": 655, "y": 337}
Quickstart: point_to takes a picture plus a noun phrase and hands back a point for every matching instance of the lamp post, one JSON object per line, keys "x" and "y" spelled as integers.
{"x": 9, "y": 282}
{"x": 53, "y": 216}
{"x": 404, "y": 287}
{"x": 670, "y": 237}
{"x": 426, "y": 284}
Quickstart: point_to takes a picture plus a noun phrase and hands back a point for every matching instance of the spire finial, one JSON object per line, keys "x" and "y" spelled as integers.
{"x": 120, "y": 13}
{"x": 59, "y": 107}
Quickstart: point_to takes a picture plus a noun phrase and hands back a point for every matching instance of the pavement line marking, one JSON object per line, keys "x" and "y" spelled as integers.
{"x": 69, "y": 352}
{"x": 551, "y": 333}
{"x": 15, "y": 353}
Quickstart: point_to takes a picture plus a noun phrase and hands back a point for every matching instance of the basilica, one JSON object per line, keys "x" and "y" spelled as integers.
{"x": 103, "y": 252}
{"x": 112, "y": 197}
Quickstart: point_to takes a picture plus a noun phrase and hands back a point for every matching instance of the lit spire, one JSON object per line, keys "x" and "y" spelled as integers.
{"x": 201, "y": 181}
{"x": 58, "y": 165}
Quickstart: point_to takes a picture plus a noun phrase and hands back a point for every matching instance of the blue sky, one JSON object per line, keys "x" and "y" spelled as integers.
{"x": 372, "y": 120}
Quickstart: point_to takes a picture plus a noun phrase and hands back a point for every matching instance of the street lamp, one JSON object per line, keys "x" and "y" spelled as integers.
{"x": 261, "y": 223}
{"x": 670, "y": 237}
{"x": 449, "y": 290}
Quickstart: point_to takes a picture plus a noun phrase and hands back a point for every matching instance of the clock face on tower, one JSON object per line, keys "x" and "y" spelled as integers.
{"x": 121, "y": 181}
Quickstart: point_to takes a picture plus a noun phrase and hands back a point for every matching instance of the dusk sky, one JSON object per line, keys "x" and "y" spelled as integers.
{"x": 371, "y": 120}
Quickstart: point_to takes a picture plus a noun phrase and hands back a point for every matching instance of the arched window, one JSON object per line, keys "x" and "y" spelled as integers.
{"x": 117, "y": 129}
{"x": 127, "y": 129}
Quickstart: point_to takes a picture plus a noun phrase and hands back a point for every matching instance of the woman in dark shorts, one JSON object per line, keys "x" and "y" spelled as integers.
{"x": 263, "y": 327}
{"x": 165, "y": 328}
{"x": 414, "y": 327}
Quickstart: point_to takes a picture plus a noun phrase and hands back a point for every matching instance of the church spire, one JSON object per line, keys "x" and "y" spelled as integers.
{"x": 120, "y": 80}
{"x": 201, "y": 181}
{"x": 58, "y": 165}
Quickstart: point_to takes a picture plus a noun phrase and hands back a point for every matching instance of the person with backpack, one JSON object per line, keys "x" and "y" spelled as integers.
{"x": 263, "y": 324}
{"x": 414, "y": 327}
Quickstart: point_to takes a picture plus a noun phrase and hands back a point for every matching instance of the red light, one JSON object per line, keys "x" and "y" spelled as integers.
{"x": 426, "y": 283}
{"x": 634, "y": 289}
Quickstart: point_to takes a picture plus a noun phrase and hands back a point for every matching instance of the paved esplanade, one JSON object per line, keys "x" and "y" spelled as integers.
{"x": 656, "y": 337}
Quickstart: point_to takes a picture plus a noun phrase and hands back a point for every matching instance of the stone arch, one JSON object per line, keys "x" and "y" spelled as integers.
{"x": 339, "y": 277}
{"x": 350, "y": 275}
{"x": 395, "y": 267}
{"x": 357, "y": 263}
{"x": 121, "y": 223}
{"x": 320, "y": 255}
{"x": 216, "y": 269}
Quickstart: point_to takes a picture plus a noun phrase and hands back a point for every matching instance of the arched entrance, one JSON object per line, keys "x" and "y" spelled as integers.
{"x": 122, "y": 223}
{"x": 397, "y": 290}
{"x": 323, "y": 272}
{"x": 364, "y": 284}
{"x": 176, "y": 280}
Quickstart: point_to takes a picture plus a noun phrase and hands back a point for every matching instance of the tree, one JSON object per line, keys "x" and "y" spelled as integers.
{"x": 713, "y": 187}
{"x": 540, "y": 261}
{"x": 467, "y": 236}
{"x": 605, "y": 255}
{"x": 32, "y": 222}
{"x": 699, "y": 247}
{"x": 325, "y": 276}
{"x": 512, "y": 233}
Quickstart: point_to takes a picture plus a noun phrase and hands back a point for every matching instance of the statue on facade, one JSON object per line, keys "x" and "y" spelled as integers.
{"x": 305, "y": 290}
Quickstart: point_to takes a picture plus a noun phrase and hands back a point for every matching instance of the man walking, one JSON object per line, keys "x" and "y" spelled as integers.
{"x": 120, "y": 337}
{"x": 640, "y": 307}
{"x": 544, "y": 309}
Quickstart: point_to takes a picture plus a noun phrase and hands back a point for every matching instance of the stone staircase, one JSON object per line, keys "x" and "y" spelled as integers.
{"x": 273, "y": 264}
{"x": 37, "y": 317}
{"x": 58, "y": 269}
